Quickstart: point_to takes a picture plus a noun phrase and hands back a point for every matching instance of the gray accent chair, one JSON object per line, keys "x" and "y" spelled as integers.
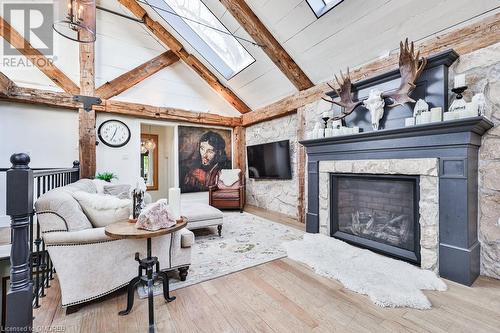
{"x": 90, "y": 264}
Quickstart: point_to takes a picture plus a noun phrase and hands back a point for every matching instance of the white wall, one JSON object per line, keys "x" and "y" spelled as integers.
{"x": 123, "y": 161}
{"x": 49, "y": 136}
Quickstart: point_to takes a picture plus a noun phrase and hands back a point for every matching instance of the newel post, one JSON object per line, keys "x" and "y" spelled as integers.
{"x": 19, "y": 208}
{"x": 75, "y": 175}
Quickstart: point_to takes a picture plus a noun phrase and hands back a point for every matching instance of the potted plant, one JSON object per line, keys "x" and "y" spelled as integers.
{"x": 106, "y": 176}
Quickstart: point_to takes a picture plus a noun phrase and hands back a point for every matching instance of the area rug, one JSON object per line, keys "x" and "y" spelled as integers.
{"x": 247, "y": 240}
{"x": 387, "y": 282}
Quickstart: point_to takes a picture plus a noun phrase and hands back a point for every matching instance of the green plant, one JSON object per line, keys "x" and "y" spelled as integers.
{"x": 106, "y": 176}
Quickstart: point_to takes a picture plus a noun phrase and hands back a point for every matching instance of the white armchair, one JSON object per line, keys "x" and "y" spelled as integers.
{"x": 90, "y": 264}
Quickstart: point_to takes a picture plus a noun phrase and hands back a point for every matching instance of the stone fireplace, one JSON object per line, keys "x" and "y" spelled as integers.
{"x": 387, "y": 205}
{"x": 442, "y": 160}
{"x": 379, "y": 212}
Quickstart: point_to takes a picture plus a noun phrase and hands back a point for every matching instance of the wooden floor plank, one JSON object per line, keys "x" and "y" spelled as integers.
{"x": 280, "y": 296}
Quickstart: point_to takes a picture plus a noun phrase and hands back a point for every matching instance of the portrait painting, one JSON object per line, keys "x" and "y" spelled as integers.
{"x": 202, "y": 153}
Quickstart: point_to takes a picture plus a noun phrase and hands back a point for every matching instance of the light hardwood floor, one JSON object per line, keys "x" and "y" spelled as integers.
{"x": 280, "y": 296}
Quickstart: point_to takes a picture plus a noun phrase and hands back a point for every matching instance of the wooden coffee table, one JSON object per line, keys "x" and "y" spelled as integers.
{"x": 122, "y": 230}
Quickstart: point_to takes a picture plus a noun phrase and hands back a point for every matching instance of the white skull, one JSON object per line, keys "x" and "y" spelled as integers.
{"x": 375, "y": 104}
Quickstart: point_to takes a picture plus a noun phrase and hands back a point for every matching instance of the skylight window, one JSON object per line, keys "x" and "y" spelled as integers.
{"x": 321, "y": 7}
{"x": 202, "y": 30}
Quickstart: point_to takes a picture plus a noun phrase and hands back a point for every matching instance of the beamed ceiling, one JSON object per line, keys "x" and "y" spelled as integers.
{"x": 299, "y": 50}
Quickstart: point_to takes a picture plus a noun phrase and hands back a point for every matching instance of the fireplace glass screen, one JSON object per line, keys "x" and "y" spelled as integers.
{"x": 379, "y": 209}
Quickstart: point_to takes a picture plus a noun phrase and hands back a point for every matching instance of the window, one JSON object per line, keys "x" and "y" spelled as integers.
{"x": 195, "y": 23}
{"x": 321, "y": 7}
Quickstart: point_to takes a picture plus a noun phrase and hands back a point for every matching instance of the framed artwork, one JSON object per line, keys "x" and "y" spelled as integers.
{"x": 202, "y": 153}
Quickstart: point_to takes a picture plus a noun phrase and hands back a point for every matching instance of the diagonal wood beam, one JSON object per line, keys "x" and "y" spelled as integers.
{"x": 173, "y": 44}
{"x": 37, "y": 58}
{"x": 260, "y": 34}
{"x": 464, "y": 40}
{"x": 65, "y": 101}
{"x": 136, "y": 75}
{"x": 6, "y": 84}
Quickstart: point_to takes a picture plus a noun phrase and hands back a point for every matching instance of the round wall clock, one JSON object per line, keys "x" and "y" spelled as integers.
{"x": 114, "y": 133}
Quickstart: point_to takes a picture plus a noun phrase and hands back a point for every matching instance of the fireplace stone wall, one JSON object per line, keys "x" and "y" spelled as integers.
{"x": 426, "y": 168}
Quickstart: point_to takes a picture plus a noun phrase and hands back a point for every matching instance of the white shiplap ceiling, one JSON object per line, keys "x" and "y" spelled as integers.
{"x": 353, "y": 33}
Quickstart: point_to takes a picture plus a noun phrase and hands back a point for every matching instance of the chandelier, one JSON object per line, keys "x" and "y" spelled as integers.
{"x": 77, "y": 24}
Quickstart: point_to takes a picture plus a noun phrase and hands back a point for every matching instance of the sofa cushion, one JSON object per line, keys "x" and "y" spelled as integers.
{"x": 85, "y": 185}
{"x": 195, "y": 211}
{"x": 121, "y": 191}
{"x": 99, "y": 184}
{"x": 102, "y": 210}
{"x": 226, "y": 194}
{"x": 57, "y": 210}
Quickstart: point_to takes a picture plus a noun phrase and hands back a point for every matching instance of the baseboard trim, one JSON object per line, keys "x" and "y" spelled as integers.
{"x": 275, "y": 216}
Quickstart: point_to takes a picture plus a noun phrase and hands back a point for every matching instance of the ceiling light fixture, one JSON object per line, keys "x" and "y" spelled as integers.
{"x": 76, "y": 25}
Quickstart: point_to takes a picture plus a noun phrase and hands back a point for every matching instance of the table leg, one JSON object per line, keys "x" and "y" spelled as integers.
{"x": 149, "y": 271}
{"x": 130, "y": 297}
{"x": 166, "y": 287}
{"x": 151, "y": 304}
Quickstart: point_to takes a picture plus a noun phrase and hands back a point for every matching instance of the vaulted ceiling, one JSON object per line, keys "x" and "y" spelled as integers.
{"x": 353, "y": 33}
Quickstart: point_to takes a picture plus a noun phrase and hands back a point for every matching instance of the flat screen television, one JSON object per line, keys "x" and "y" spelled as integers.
{"x": 269, "y": 160}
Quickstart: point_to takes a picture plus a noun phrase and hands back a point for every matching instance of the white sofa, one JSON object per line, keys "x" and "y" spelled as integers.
{"x": 90, "y": 264}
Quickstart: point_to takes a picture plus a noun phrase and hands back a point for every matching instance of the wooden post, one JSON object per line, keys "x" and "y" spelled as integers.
{"x": 19, "y": 307}
{"x": 87, "y": 123}
{"x": 301, "y": 162}
{"x": 240, "y": 149}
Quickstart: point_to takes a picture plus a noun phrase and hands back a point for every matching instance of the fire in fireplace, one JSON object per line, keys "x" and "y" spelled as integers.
{"x": 378, "y": 212}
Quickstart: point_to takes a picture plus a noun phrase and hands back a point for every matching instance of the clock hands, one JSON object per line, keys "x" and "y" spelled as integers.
{"x": 116, "y": 129}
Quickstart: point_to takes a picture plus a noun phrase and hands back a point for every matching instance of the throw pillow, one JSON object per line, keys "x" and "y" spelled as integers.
{"x": 121, "y": 191}
{"x": 103, "y": 209}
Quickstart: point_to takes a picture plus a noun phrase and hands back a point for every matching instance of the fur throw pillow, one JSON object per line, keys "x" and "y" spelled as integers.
{"x": 102, "y": 210}
{"x": 229, "y": 177}
{"x": 156, "y": 216}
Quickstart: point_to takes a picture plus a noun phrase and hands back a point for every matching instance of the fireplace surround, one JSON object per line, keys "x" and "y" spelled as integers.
{"x": 378, "y": 212}
{"x": 447, "y": 154}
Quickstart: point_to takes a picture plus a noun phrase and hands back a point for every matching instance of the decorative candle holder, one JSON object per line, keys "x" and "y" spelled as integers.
{"x": 325, "y": 120}
{"x": 459, "y": 103}
{"x": 459, "y": 91}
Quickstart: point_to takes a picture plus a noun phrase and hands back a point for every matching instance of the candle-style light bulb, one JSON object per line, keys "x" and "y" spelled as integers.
{"x": 70, "y": 9}
{"x": 80, "y": 12}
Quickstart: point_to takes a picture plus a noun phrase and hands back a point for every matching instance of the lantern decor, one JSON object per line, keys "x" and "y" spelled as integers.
{"x": 78, "y": 20}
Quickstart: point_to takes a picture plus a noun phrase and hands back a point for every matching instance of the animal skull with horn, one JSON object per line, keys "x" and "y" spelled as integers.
{"x": 411, "y": 67}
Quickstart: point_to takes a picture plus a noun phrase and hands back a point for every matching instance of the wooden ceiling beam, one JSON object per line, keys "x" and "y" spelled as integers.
{"x": 166, "y": 113}
{"x": 65, "y": 101}
{"x": 136, "y": 75}
{"x": 464, "y": 40}
{"x": 5, "y": 84}
{"x": 36, "y": 57}
{"x": 261, "y": 35}
{"x": 175, "y": 46}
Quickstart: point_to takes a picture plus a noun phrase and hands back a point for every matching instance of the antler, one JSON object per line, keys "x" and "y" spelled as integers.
{"x": 410, "y": 67}
{"x": 344, "y": 92}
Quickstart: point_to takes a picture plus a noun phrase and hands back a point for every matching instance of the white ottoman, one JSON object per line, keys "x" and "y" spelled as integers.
{"x": 201, "y": 215}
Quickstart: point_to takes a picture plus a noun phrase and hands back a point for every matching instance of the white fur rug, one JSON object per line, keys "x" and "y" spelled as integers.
{"x": 388, "y": 282}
